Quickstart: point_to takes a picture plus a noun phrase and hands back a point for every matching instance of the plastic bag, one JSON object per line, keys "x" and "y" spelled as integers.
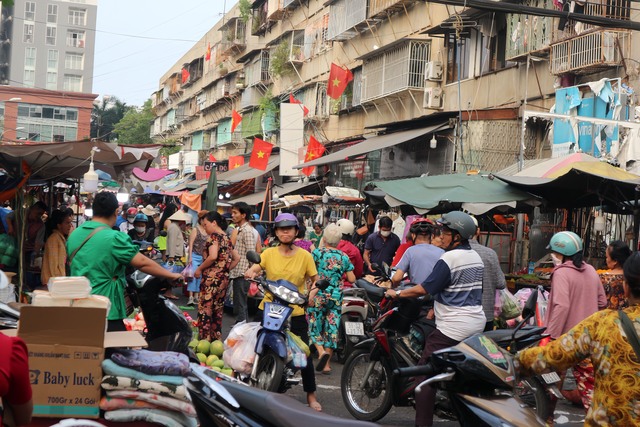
{"x": 497, "y": 305}
{"x": 509, "y": 304}
{"x": 173, "y": 267}
{"x": 188, "y": 271}
{"x": 239, "y": 347}
{"x": 295, "y": 352}
{"x": 253, "y": 289}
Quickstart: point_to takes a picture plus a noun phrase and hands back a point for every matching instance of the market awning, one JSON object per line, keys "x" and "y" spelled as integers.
{"x": 475, "y": 193}
{"x": 580, "y": 184}
{"x": 373, "y": 144}
{"x": 241, "y": 173}
{"x": 151, "y": 174}
{"x": 281, "y": 190}
{"x": 71, "y": 159}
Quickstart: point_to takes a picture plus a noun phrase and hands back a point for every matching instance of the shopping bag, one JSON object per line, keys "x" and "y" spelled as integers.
{"x": 188, "y": 272}
{"x": 173, "y": 267}
{"x": 510, "y": 308}
{"x": 239, "y": 347}
{"x": 295, "y": 353}
{"x": 253, "y": 289}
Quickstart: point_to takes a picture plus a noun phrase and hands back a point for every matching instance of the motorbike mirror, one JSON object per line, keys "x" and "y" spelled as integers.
{"x": 253, "y": 257}
{"x": 375, "y": 267}
{"x": 529, "y": 309}
{"x": 322, "y": 284}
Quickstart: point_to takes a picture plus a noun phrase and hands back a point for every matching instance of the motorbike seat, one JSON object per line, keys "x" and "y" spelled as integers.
{"x": 284, "y": 411}
{"x": 374, "y": 292}
{"x": 500, "y": 335}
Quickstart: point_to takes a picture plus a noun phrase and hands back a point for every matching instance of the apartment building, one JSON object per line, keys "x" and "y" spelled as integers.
{"x": 46, "y": 69}
{"x": 435, "y": 89}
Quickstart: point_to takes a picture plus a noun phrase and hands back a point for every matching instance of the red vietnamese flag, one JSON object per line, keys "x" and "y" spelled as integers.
{"x": 314, "y": 150}
{"x": 235, "y": 162}
{"x": 211, "y": 158}
{"x": 338, "y": 79}
{"x": 185, "y": 75}
{"x": 260, "y": 154}
{"x": 236, "y": 118}
{"x": 293, "y": 100}
{"x": 207, "y": 55}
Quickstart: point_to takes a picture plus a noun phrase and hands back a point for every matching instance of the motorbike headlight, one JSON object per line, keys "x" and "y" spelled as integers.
{"x": 285, "y": 294}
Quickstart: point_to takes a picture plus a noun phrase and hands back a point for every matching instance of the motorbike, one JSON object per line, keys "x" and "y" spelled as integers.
{"x": 353, "y": 319}
{"x": 272, "y": 370}
{"x": 367, "y": 386}
{"x": 220, "y": 400}
{"x": 479, "y": 379}
{"x": 167, "y": 328}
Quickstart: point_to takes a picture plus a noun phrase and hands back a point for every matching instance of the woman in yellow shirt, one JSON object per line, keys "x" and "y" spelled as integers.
{"x": 58, "y": 227}
{"x": 616, "y": 394}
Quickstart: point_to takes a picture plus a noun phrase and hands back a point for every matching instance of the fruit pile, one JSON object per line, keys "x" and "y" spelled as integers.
{"x": 210, "y": 354}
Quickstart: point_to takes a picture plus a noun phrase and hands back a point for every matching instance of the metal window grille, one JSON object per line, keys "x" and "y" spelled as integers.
{"x": 345, "y": 15}
{"x": 591, "y": 52}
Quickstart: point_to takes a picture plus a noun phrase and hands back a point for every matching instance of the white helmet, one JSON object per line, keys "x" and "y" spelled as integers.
{"x": 345, "y": 226}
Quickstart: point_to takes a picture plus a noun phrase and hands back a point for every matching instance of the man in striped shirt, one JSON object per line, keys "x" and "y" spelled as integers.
{"x": 456, "y": 286}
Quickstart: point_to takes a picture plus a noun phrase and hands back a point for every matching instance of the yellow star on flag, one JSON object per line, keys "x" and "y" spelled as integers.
{"x": 310, "y": 156}
{"x": 260, "y": 154}
{"x": 336, "y": 82}
{"x": 237, "y": 165}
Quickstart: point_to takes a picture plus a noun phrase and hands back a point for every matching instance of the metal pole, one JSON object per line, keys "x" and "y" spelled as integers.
{"x": 524, "y": 124}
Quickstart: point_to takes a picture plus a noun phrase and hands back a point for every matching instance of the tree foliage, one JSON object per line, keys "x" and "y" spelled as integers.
{"x": 135, "y": 126}
{"x": 104, "y": 116}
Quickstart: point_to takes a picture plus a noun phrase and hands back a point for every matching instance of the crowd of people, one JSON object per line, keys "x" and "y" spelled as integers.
{"x": 442, "y": 258}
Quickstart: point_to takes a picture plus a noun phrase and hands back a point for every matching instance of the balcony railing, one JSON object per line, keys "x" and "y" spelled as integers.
{"x": 257, "y": 71}
{"x": 233, "y": 36}
{"x": 251, "y": 97}
{"x": 614, "y": 9}
{"x": 590, "y": 53}
{"x": 275, "y": 10}
{"x": 347, "y": 18}
{"x": 387, "y": 7}
{"x": 395, "y": 70}
{"x": 527, "y": 34}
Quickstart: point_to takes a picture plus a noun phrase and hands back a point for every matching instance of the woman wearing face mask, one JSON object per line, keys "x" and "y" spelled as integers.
{"x": 576, "y": 293}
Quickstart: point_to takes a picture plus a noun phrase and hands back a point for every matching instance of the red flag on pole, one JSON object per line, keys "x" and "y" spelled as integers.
{"x": 235, "y": 162}
{"x": 207, "y": 55}
{"x": 211, "y": 158}
{"x": 260, "y": 154}
{"x": 293, "y": 100}
{"x": 236, "y": 118}
{"x": 314, "y": 150}
{"x": 339, "y": 77}
{"x": 185, "y": 75}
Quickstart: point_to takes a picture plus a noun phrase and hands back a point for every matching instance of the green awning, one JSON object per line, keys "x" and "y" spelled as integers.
{"x": 251, "y": 124}
{"x": 475, "y": 193}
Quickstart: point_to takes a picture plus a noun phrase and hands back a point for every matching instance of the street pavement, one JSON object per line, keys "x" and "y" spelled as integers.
{"x": 328, "y": 390}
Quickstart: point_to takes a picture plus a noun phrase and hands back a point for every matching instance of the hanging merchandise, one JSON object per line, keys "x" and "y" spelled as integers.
{"x": 398, "y": 226}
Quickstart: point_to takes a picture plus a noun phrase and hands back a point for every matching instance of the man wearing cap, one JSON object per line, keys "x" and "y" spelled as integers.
{"x": 150, "y": 212}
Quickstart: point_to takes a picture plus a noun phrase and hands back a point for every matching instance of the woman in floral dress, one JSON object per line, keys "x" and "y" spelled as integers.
{"x": 325, "y": 306}
{"x": 616, "y": 254}
{"x": 220, "y": 258}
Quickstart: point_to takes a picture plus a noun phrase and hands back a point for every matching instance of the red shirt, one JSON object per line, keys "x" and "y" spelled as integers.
{"x": 401, "y": 250}
{"x": 354, "y": 256}
{"x": 15, "y": 387}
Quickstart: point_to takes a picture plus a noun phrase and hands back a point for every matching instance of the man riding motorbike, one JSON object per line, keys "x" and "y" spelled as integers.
{"x": 456, "y": 286}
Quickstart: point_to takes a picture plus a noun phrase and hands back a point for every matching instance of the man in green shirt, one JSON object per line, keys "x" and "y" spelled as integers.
{"x": 103, "y": 257}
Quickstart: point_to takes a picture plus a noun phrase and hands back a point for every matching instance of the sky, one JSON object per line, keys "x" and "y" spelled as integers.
{"x": 137, "y": 41}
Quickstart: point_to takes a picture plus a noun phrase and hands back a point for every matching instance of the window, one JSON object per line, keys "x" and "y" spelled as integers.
{"x": 30, "y": 11}
{"x": 492, "y": 46}
{"x": 30, "y": 58}
{"x": 28, "y": 33}
{"x": 75, "y": 38}
{"x": 50, "y": 40}
{"x": 29, "y": 78}
{"x": 52, "y": 13}
{"x": 315, "y": 37}
{"x": 458, "y": 56}
{"x": 52, "y": 80}
{"x": 77, "y": 16}
{"x": 52, "y": 60}
{"x": 74, "y": 61}
{"x": 72, "y": 83}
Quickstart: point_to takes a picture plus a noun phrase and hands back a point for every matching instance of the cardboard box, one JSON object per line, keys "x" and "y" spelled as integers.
{"x": 66, "y": 348}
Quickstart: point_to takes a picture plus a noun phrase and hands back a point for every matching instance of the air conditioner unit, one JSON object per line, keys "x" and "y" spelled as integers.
{"x": 432, "y": 98}
{"x": 433, "y": 71}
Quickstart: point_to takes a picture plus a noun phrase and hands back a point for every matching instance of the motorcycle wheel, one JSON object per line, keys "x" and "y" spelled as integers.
{"x": 270, "y": 372}
{"x": 370, "y": 401}
{"x": 533, "y": 393}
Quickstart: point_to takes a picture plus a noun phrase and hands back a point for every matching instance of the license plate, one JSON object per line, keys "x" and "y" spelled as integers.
{"x": 551, "y": 378}
{"x": 354, "y": 328}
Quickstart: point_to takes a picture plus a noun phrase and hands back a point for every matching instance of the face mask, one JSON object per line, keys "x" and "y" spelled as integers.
{"x": 557, "y": 260}
{"x": 130, "y": 220}
{"x": 140, "y": 229}
{"x": 385, "y": 233}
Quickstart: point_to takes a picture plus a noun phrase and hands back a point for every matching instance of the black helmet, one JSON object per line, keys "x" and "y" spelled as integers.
{"x": 459, "y": 222}
{"x": 422, "y": 226}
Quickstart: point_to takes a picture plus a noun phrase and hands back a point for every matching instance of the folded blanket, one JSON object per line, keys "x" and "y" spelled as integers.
{"x": 158, "y": 416}
{"x": 153, "y": 362}
{"x": 112, "y": 382}
{"x": 163, "y": 402}
{"x": 112, "y": 403}
{"x": 111, "y": 368}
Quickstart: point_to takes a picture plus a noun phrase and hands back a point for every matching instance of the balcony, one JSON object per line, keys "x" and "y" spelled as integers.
{"x": 275, "y": 10}
{"x": 614, "y": 9}
{"x": 251, "y": 97}
{"x": 257, "y": 70}
{"x": 383, "y": 8}
{"x": 290, "y": 4}
{"x": 352, "y": 96}
{"x": 347, "y": 18}
{"x": 259, "y": 20}
{"x": 233, "y": 37}
{"x": 314, "y": 97}
{"x": 529, "y": 34}
{"x": 400, "y": 68}
{"x": 591, "y": 53}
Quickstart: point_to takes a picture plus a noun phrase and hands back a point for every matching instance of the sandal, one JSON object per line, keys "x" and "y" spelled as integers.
{"x": 326, "y": 372}
{"x": 322, "y": 362}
